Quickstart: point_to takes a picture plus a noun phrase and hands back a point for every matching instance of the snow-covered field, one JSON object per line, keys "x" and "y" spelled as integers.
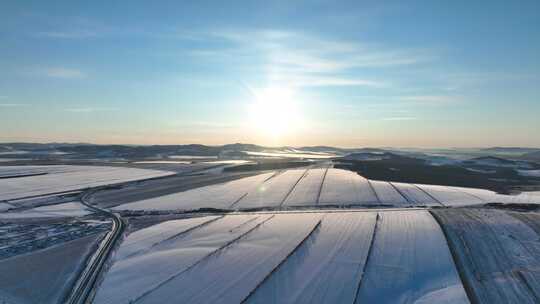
{"x": 70, "y": 209}
{"x": 342, "y": 187}
{"x": 320, "y": 187}
{"x": 498, "y": 253}
{"x": 388, "y": 195}
{"x": 373, "y": 257}
{"x": 327, "y": 267}
{"x": 410, "y": 263}
{"x": 274, "y": 191}
{"x": 43, "y": 276}
{"x": 415, "y": 195}
{"x": 219, "y": 196}
{"x": 65, "y": 178}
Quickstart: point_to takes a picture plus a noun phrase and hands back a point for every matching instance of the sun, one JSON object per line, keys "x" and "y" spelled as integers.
{"x": 274, "y": 112}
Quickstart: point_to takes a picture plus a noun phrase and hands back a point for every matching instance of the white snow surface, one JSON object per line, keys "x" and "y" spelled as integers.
{"x": 231, "y": 275}
{"x": 220, "y": 196}
{"x": 274, "y": 191}
{"x": 164, "y": 261}
{"x": 145, "y": 239}
{"x": 410, "y": 262}
{"x": 343, "y": 187}
{"x": 66, "y": 178}
{"x": 500, "y": 254}
{"x": 307, "y": 190}
{"x": 450, "y": 196}
{"x": 70, "y": 209}
{"x": 389, "y": 195}
{"x": 415, "y": 195}
{"x": 533, "y": 173}
{"x": 327, "y": 268}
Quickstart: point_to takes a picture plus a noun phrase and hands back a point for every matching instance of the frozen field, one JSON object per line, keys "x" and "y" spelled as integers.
{"x": 327, "y": 267}
{"x": 341, "y": 257}
{"x": 274, "y": 191}
{"x": 410, "y": 263}
{"x": 65, "y": 178}
{"x": 43, "y": 276}
{"x": 499, "y": 254}
{"x": 320, "y": 187}
{"x": 70, "y": 209}
{"x": 306, "y": 192}
{"x": 221, "y": 196}
{"x": 415, "y": 195}
{"x": 388, "y": 195}
{"x": 342, "y": 187}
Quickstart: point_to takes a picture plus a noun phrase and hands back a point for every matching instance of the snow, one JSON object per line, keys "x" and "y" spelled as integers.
{"x": 43, "y": 276}
{"x": 221, "y": 196}
{"x": 497, "y": 253}
{"x": 147, "y": 238}
{"x": 343, "y": 187}
{"x": 170, "y": 258}
{"x": 70, "y": 209}
{"x": 388, "y": 195}
{"x": 307, "y": 190}
{"x": 290, "y": 155}
{"x": 273, "y": 192}
{"x": 531, "y": 173}
{"x": 450, "y": 196}
{"x": 66, "y": 178}
{"x": 230, "y": 275}
{"x": 415, "y": 195}
{"x": 5, "y": 206}
{"x": 410, "y": 262}
{"x": 327, "y": 267}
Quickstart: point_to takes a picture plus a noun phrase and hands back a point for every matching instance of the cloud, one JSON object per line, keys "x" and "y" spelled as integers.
{"x": 55, "y": 72}
{"x": 77, "y": 34}
{"x": 302, "y": 59}
{"x": 90, "y": 109}
{"x": 12, "y": 105}
{"x": 432, "y": 99}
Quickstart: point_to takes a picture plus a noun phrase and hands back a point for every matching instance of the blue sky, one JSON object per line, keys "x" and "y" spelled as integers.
{"x": 343, "y": 73}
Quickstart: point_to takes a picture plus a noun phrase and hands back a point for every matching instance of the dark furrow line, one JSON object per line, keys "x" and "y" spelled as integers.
{"x": 246, "y": 194}
{"x": 209, "y": 255}
{"x": 370, "y": 250}
{"x": 428, "y": 194}
{"x": 316, "y": 227}
{"x": 321, "y": 187}
{"x": 292, "y": 188}
{"x": 400, "y": 192}
{"x": 530, "y": 288}
{"x": 374, "y": 192}
{"x": 174, "y": 236}
{"x": 238, "y": 200}
{"x": 469, "y": 290}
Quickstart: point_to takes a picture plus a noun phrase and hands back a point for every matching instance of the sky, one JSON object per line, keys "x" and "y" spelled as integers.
{"x": 297, "y": 73}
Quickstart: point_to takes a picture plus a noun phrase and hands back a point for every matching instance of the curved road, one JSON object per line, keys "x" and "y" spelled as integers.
{"x": 82, "y": 291}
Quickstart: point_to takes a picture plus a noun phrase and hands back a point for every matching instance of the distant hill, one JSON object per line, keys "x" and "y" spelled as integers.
{"x": 510, "y": 150}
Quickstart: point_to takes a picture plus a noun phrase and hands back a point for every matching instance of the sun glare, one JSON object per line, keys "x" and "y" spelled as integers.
{"x": 274, "y": 112}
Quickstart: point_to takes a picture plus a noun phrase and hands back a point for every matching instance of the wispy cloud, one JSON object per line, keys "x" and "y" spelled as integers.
{"x": 55, "y": 72}
{"x": 306, "y": 60}
{"x": 432, "y": 99}
{"x": 13, "y": 105}
{"x": 90, "y": 109}
{"x": 72, "y": 34}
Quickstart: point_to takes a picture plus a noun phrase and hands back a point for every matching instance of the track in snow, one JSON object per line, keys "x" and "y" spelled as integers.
{"x": 410, "y": 263}
{"x": 497, "y": 254}
{"x": 327, "y": 267}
